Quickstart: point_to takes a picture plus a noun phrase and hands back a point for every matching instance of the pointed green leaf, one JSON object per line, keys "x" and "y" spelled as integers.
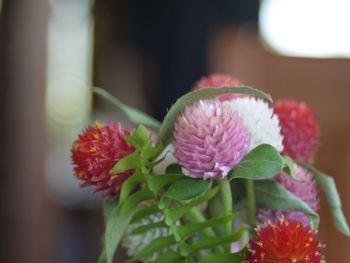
{"x": 115, "y": 226}
{"x": 174, "y": 214}
{"x": 187, "y": 188}
{"x": 134, "y": 115}
{"x": 154, "y": 246}
{"x": 193, "y": 96}
{"x": 209, "y": 242}
{"x": 144, "y": 228}
{"x": 157, "y": 182}
{"x": 129, "y": 185}
{"x": 108, "y": 205}
{"x": 169, "y": 257}
{"x": 261, "y": 163}
{"x": 186, "y": 231}
{"x": 145, "y": 212}
{"x": 134, "y": 200}
{"x": 289, "y": 167}
{"x": 151, "y": 151}
{"x": 329, "y": 188}
{"x": 129, "y": 162}
{"x": 273, "y": 195}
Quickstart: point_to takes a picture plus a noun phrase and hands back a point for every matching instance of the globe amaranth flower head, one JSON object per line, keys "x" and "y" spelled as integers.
{"x": 259, "y": 121}
{"x": 284, "y": 241}
{"x": 209, "y": 139}
{"x": 217, "y": 81}
{"x": 304, "y": 187}
{"x": 299, "y": 127}
{"x": 96, "y": 151}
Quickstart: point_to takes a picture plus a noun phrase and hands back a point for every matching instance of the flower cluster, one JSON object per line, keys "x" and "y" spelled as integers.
{"x": 211, "y": 155}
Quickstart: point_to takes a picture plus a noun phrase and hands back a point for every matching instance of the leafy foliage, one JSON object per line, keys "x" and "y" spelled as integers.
{"x": 134, "y": 115}
{"x": 263, "y": 162}
{"x": 177, "y": 197}
{"x": 181, "y": 199}
{"x": 327, "y": 185}
{"x": 273, "y": 195}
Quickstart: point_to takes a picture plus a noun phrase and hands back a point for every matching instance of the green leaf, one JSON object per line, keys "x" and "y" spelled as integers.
{"x": 273, "y": 195}
{"x": 134, "y": 200}
{"x": 168, "y": 257}
{"x": 144, "y": 228}
{"x": 102, "y": 258}
{"x": 130, "y": 161}
{"x": 328, "y": 186}
{"x": 289, "y": 167}
{"x": 187, "y": 188}
{"x": 129, "y": 185}
{"x": 209, "y": 242}
{"x": 186, "y": 231}
{"x": 134, "y": 115}
{"x": 151, "y": 151}
{"x": 191, "y": 97}
{"x": 221, "y": 258}
{"x": 172, "y": 215}
{"x": 115, "y": 226}
{"x": 263, "y": 162}
{"x": 108, "y": 205}
{"x": 157, "y": 182}
{"x": 154, "y": 246}
{"x": 145, "y": 212}
{"x": 174, "y": 168}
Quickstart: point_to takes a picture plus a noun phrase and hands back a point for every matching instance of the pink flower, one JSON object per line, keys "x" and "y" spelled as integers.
{"x": 305, "y": 188}
{"x": 217, "y": 81}
{"x": 209, "y": 139}
{"x": 299, "y": 128}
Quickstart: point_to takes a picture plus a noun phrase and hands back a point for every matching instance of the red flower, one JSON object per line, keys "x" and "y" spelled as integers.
{"x": 217, "y": 81}
{"x": 96, "y": 151}
{"x": 284, "y": 242}
{"x": 299, "y": 128}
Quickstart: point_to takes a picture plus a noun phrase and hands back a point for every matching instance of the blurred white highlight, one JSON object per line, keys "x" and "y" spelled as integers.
{"x": 306, "y": 28}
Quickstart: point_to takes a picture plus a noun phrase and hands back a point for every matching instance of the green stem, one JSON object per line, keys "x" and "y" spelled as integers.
{"x": 251, "y": 201}
{"x": 226, "y": 197}
{"x": 196, "y": 216}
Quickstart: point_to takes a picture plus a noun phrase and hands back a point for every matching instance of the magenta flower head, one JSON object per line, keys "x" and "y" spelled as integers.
{"x": 217, "y": 81}
{"x": 209, "y": 139}
{"x": 305, "y": 188}
{"x": 284, "y": 241}
{"x": 96, "y": 151}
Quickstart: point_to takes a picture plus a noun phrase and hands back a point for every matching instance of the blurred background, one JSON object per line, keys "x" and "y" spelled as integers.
{"x": 147, "y": 53}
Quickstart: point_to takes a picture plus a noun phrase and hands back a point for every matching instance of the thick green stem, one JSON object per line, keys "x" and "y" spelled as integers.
{"x": 226, "y": 197}
{"x": 196, "y": 216}
{"x": 251, "y": 201}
